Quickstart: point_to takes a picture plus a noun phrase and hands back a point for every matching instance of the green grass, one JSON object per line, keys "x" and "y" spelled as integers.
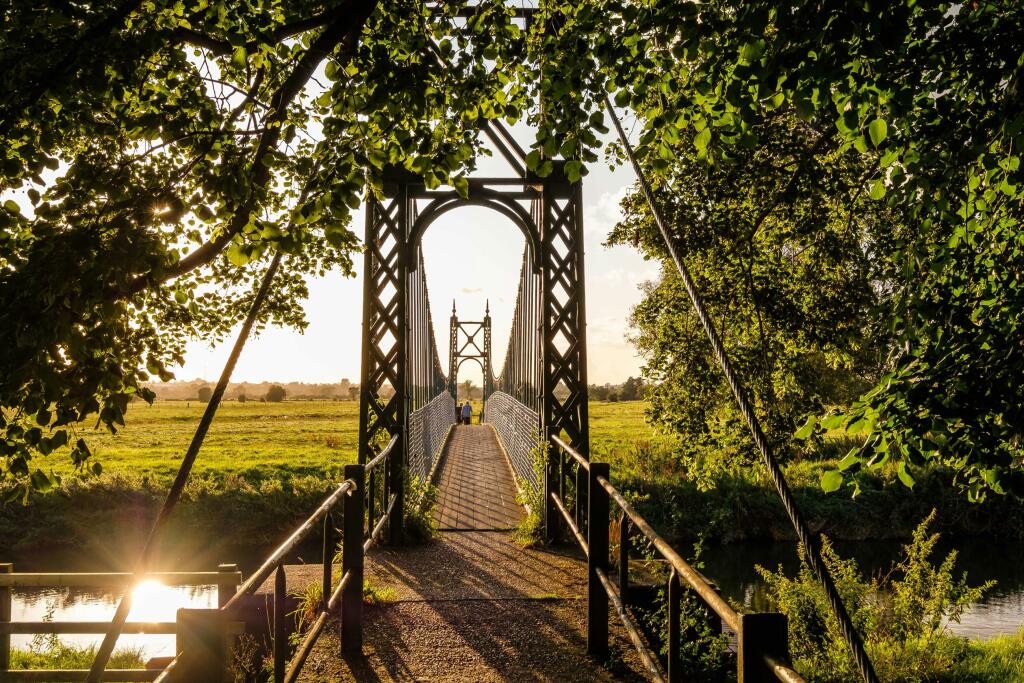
{"x": 256, "y": 440}
{"x": 58, "y": 655}
{"x": 264, "y": 466}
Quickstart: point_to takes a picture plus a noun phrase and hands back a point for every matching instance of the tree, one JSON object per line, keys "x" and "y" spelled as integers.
{"x": 204, "y": 394}
{"x": 776, "y": 249}
{"x": 353, "y": 393}
{"x": 927, "y": 99}
{"x": 275, "y": 394}
{"x": 141, "y": 131}
{"x": 467, "y": 388}
{"x": 242, "y": 398}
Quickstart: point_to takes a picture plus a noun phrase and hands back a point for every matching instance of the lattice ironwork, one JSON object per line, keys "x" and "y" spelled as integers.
{"x": 544, "y": 369}
{"x": 470, "y": 340}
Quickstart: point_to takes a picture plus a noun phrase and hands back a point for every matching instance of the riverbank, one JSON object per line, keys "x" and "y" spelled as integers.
{"x": 265, "y": 466}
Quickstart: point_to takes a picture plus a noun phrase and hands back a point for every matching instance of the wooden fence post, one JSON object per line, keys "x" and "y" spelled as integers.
{"x": 226, "y": 585}
{"x": 352, "y": 563}
{"x": 202, "y": 645}
{"x": 675, "y": 594}
{"x": 551, "y": 474}
{"x": 597, "y": 558}
{"x": 396, "y": 525}
{"x": 6, "y": 610}
{"x": 280, "y": 624}
{"x": 761, "y": 634}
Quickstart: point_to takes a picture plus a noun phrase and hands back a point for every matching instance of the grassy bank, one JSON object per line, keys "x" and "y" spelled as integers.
{"x": 265, "y": 465}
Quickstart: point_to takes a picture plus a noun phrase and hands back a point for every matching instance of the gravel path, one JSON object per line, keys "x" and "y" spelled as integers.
{"x": 473, "y": 605}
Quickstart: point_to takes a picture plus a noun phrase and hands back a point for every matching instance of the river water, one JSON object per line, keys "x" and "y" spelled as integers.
{"x": 730, "y": 566}
{"x": 1000, "y": 612}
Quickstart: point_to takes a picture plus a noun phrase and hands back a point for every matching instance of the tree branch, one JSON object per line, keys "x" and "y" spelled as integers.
{"x": 219, "y": 46}
{"x": 346, "y": 23}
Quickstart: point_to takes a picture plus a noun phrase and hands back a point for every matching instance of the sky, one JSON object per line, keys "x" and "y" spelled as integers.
{"x": 471, "y": 255}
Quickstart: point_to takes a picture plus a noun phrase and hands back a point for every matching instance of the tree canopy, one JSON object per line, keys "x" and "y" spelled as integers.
{"x": 162, "y": 151}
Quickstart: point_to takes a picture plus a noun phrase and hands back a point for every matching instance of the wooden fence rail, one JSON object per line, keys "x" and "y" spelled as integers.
{"x": 226, "y": 578}
{"x": 205, "y": 657}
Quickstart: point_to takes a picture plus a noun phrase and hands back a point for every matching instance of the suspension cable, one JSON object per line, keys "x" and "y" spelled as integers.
{"x": 174, "y": 495}
{"x": 803, "y": 532}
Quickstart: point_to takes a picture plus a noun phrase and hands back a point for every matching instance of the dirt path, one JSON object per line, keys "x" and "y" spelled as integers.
{"x": 473, "y": 605}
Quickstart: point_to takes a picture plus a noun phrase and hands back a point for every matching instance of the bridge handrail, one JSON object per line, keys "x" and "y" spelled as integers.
{"x": 762, "y": 637}
{"x": 348, "y": 592}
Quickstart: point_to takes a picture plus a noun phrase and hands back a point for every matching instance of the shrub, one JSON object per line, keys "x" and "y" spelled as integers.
{"x": 903, "y": 613}
{"x": 529, "y": 531}
{"x": 205, "y": 394}
{"x": 421, "y": 499}
{"x": 276, "y": 393}
{"x": 242, "y": 398}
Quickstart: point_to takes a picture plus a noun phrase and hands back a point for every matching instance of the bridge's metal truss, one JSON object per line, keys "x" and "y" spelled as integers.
{"x": 545, "y": 364}
{"x": 469, "y": 340}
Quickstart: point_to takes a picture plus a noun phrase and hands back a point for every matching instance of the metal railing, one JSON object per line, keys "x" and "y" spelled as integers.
{"x": 226, "y": 578}
{"x": 367, "y": 510}
{"x": 762, "y": 638}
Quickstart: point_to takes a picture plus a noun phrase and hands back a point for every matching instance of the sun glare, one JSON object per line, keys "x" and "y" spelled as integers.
{"x": 153, "y": 601}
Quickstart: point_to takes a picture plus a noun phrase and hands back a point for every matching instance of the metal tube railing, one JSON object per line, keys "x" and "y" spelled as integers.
{"x": 762, "y": 638}
{"x": 347, "y": 595}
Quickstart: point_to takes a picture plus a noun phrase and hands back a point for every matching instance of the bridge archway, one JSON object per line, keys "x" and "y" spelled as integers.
{"x": 550, "y": 310}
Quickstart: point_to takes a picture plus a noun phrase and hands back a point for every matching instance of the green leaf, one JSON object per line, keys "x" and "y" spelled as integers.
{"x": 573, "y": 170}
{"x": 239, "y": 56}
{"x": 41, "y": 481}
{"x": 831, "y": 481}
{"x": 849, "y": 461}
{"x": 237, "y": 254}
{"x": 702, "y": 139}
{"x": 901, "y": 472}
{"x": 807, "y": 429}
{"x": 877, "y": 190}
{"x": 877, "y": 130}
{"x": 12, "y": 206}
{"x": 461, "y": 185}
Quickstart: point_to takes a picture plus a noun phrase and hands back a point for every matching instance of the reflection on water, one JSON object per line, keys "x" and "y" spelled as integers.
{"x": 151, "y": 601}
{"x": 1000, "y": 612}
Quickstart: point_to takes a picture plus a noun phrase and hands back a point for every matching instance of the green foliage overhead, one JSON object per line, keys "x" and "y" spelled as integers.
{"x": 154, "y": 155}
{"x": 161, "y": 151}
{"x": 926, "y": 99}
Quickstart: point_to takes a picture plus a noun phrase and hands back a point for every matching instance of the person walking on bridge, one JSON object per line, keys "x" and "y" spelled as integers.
{"x": 467, "y": 413}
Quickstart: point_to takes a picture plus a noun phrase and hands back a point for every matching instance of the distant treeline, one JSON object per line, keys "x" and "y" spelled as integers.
{"x": 254, "y": 391}
{"x": 632, "y": 389}
{"x": 199, "y": 390}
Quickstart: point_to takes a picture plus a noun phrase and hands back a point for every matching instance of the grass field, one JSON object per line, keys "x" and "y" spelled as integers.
{"x": 265, "y": 465}
{"x": 271, "y": 440}
{"x": 252, "y": 439}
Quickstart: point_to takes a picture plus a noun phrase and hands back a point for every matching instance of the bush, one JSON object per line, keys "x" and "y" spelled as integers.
{"x": 242, "y": 398}
{"x": 205, "y": 394}
{"x": 420, "y": 500}
{"x": 276, "y": 393}
{"x": 903, "y": 614}
{"x": 529, "y": 531}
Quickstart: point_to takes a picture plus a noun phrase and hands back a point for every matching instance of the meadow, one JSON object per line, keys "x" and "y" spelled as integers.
{"x": 265, "y": 465}
{"x": 260, "y": 441}
{"x": 254, "y": 440}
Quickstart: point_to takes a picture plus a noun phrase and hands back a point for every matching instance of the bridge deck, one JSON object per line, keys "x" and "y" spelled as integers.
{"x": 477, "y": 490}
{"x": 474, "y": 605}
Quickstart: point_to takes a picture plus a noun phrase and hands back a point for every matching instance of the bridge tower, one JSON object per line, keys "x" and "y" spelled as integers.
{"x": 545, "y": 369}
{"x": 470, "y": 340}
